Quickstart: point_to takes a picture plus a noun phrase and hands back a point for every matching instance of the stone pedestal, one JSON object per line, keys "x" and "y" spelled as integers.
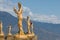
{"x": 1, "y": 37}
{"x": 9, "y": 37}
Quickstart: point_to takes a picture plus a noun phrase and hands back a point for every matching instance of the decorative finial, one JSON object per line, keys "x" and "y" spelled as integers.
{"x": 9, "y": 30}
{"x": 32, "y": 26}
{"x": 0, "y": 27}
{"x": 28, "y": 24}
{"x": 1, "y": 32}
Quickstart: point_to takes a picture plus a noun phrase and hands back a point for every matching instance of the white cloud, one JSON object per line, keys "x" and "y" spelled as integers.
{"x": 9, "y": 10}
{"x": 46, "y": 18}
{"x": 41, "y": 18}
{"x": 7, "y": 6}
{"x": 27, "y": 12}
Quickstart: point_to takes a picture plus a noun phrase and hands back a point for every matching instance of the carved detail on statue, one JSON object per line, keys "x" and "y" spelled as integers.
{"x": 19, "y": 15}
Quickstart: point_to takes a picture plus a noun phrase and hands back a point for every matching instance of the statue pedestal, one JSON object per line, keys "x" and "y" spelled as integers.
{"x": 9, "y": 37}
{"x": 25, "y": 37}
{"x": 31, "y": 37}
{"x": 1, "y": 37}
{"x": 20, "y": 37}
{"x": 21, "y": 33}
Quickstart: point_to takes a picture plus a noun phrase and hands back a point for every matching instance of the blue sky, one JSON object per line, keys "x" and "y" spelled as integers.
{"x": 43, "y": 6}
{"x": 38, "y": 10}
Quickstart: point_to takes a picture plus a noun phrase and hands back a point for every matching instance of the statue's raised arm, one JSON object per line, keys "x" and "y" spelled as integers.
{"x": 19, "y": 11}
{"x": 19, "y": 6}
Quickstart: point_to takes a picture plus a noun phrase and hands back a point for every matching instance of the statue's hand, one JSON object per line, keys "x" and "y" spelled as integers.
{"x": 15, "y": 10}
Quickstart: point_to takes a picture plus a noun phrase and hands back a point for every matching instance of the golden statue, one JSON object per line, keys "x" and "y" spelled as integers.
{"x": 9, "y": 30}
{"x": 19, "y": 15}
{"x": 1, "y": 32}
{"x": 28, "y": 24}
{"x": 32, "y": 27}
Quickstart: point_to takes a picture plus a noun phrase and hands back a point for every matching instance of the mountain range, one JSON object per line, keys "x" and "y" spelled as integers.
{"x": 44, "y": 31}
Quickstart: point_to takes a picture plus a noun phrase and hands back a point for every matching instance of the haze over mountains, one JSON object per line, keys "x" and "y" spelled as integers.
{"x": 44, "y": 31}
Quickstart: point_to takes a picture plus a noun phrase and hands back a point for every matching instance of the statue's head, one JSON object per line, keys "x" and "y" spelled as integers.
{"x": 27, "y": 17}
{"x": 19, "y": 5}
{"x": 10, "y": 27}
{"x": 0, "y": 21}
